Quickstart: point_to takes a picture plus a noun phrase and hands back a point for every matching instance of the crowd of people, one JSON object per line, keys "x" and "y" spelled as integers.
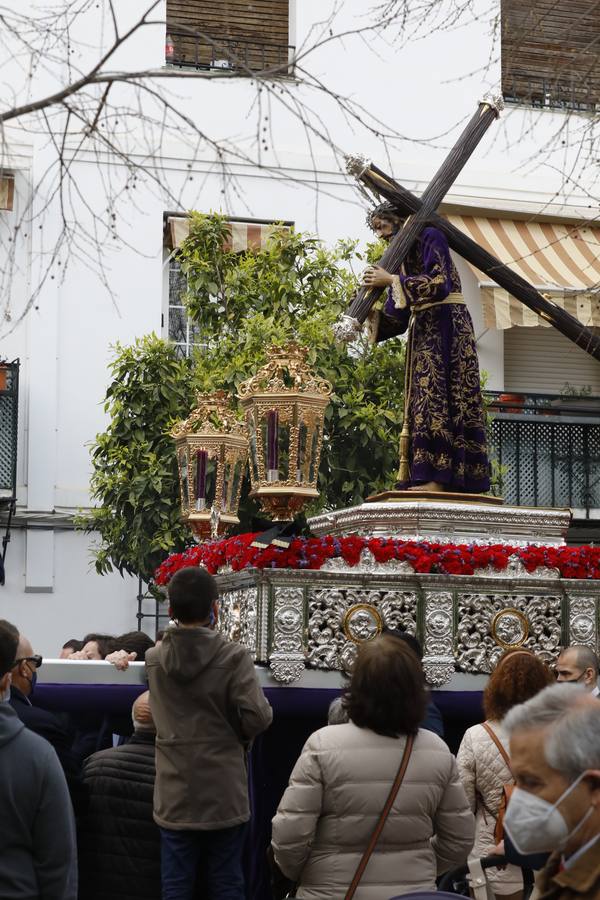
{"x": 128, "y": 647}
{"x": 377, "y": 806}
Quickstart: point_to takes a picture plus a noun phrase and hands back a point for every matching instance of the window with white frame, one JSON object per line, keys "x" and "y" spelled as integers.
{"x": 246, "y": 235}
{"x": 179, "y": 328}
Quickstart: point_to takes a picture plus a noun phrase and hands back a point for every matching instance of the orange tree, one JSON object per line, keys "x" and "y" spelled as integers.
{"x": 240, "y": 304}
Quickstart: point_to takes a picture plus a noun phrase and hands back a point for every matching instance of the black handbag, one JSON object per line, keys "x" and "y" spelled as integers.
{"x": 282, "y": 888}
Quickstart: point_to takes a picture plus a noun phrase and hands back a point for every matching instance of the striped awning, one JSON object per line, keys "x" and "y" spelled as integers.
{"x": 244, "y": 235}
{"x": 560, "y": 260}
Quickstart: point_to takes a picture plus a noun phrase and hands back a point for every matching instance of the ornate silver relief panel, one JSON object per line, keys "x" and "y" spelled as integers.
{"x": 489, "y": 623}
{"x": 438, "y": 658}
{"x": 583, "y": 621}
{"x": 286, "y": 656}
{"x": 340, "y": 619}
{"x": 237, "y": 616}
{"x": 294, "y": 619}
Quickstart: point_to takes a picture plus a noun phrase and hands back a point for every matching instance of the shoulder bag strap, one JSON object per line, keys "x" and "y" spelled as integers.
{"x": 498, "y": 744}
{"x": 382, "y": 818}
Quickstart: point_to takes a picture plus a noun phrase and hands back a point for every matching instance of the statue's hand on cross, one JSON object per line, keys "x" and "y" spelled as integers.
{"x": 376, "y": 276}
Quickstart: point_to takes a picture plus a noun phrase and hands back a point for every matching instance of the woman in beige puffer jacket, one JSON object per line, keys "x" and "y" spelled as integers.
{"x": 518, "y": 676}
{"x": 339, "y": 786}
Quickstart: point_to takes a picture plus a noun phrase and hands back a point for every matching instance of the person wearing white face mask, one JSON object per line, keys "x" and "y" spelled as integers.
{"x": 555, "y": 807}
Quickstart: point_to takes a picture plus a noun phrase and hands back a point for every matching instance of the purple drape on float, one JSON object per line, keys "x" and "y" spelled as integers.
{"x": 298, "y": 712}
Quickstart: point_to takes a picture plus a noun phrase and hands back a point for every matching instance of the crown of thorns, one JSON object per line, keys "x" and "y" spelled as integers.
{"x": 385, "y": 210}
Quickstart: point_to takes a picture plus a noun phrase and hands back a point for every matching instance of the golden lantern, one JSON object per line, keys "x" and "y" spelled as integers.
{"x": 285, "y": 408}
{"x": 212, "y": 451}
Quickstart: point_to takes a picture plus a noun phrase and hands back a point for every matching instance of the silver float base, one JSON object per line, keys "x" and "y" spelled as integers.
{"x": 297, "y": 622}
{"x": 447, "y": 521}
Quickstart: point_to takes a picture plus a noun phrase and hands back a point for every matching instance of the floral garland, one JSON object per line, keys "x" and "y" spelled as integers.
{"x": 236, "y": 553}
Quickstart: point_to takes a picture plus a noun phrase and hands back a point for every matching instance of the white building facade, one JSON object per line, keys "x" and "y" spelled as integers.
{"x": 260, "y": 160}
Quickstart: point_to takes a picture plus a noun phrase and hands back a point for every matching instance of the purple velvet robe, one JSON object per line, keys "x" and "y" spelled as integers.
{"x": 444, "y": 407}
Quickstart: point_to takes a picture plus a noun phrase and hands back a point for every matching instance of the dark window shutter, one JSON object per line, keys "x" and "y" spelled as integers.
{"x": 550, "y": 52}
{"x": 247, "y": 34}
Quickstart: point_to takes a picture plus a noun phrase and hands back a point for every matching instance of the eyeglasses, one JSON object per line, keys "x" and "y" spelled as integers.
{"x": 36, "y": 660}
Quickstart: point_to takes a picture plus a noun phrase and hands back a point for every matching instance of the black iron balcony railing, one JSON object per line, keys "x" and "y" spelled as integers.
{"x": 548, "y": 448}
{"x": 569, "y": 92}
{"x": 9, "y": 411}
{"x": 9, "y": 406}
{"x": 202, "y": 52}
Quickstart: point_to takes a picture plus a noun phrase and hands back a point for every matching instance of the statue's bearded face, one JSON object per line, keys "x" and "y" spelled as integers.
{"x": 385, "y": 227}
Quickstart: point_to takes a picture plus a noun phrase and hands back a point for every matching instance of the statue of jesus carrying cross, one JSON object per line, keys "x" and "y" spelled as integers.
{"x": 443, "y": 446}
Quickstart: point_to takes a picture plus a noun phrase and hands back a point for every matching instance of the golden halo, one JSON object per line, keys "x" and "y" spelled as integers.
{"x": 502, "y": 640}
{"x": 372, "y": 612}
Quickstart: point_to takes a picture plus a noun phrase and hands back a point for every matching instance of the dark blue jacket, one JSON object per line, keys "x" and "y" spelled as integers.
{"x": 38, "y": 858}
{"x": 433, "y": 720}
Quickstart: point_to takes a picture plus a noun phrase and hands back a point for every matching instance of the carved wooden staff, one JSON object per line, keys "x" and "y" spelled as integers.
{"x": 487, "y": 112}
{"x": 406, "y": 203}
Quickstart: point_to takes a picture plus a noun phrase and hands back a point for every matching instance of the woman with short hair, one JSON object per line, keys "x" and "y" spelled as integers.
{"x": 341, "y": 782}
{"x": 484, "y": 771}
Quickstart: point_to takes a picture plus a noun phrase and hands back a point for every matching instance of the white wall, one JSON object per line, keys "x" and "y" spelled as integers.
{"x": 421, "y": 93}
{"x": 80, "y": 601}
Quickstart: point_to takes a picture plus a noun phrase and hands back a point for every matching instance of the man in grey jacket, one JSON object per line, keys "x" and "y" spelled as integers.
{"x": 38, "y": 860}
{"x": 207, "y": 706}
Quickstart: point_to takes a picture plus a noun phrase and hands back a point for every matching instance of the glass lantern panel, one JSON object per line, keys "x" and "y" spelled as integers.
{"x": 211, "y": 481}
{"x": 270, "y": 438}
{"x": 200, "y": 462}
{"x": 302, "y": 461}
{"x": 238, "y": 471}
{"x": 183, "y": 479}
{"x": 284, "y": 452}
{"x": 226, "y": 493}
{"x": 251, "y": 423}
{"x": 314, "y": 461}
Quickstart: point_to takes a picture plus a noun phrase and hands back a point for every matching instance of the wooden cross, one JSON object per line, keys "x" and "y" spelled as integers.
{"x": 487, "y": 112}
{"x": 423, "y": 211}
{"x": 406, "y": 203}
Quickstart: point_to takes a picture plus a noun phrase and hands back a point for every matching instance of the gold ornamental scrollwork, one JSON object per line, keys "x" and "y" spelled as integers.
{"x": 510, "y": 628}
{"x": 287, "y": 372}
{"x": 213, "y": 415}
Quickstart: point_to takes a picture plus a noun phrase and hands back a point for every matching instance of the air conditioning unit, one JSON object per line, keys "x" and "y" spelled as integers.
{"x": 221, "y": 64}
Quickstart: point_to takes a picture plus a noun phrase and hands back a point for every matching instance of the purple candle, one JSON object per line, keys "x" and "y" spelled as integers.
{"x": 201, "y": 457}
{"x": 272, "y": 440}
